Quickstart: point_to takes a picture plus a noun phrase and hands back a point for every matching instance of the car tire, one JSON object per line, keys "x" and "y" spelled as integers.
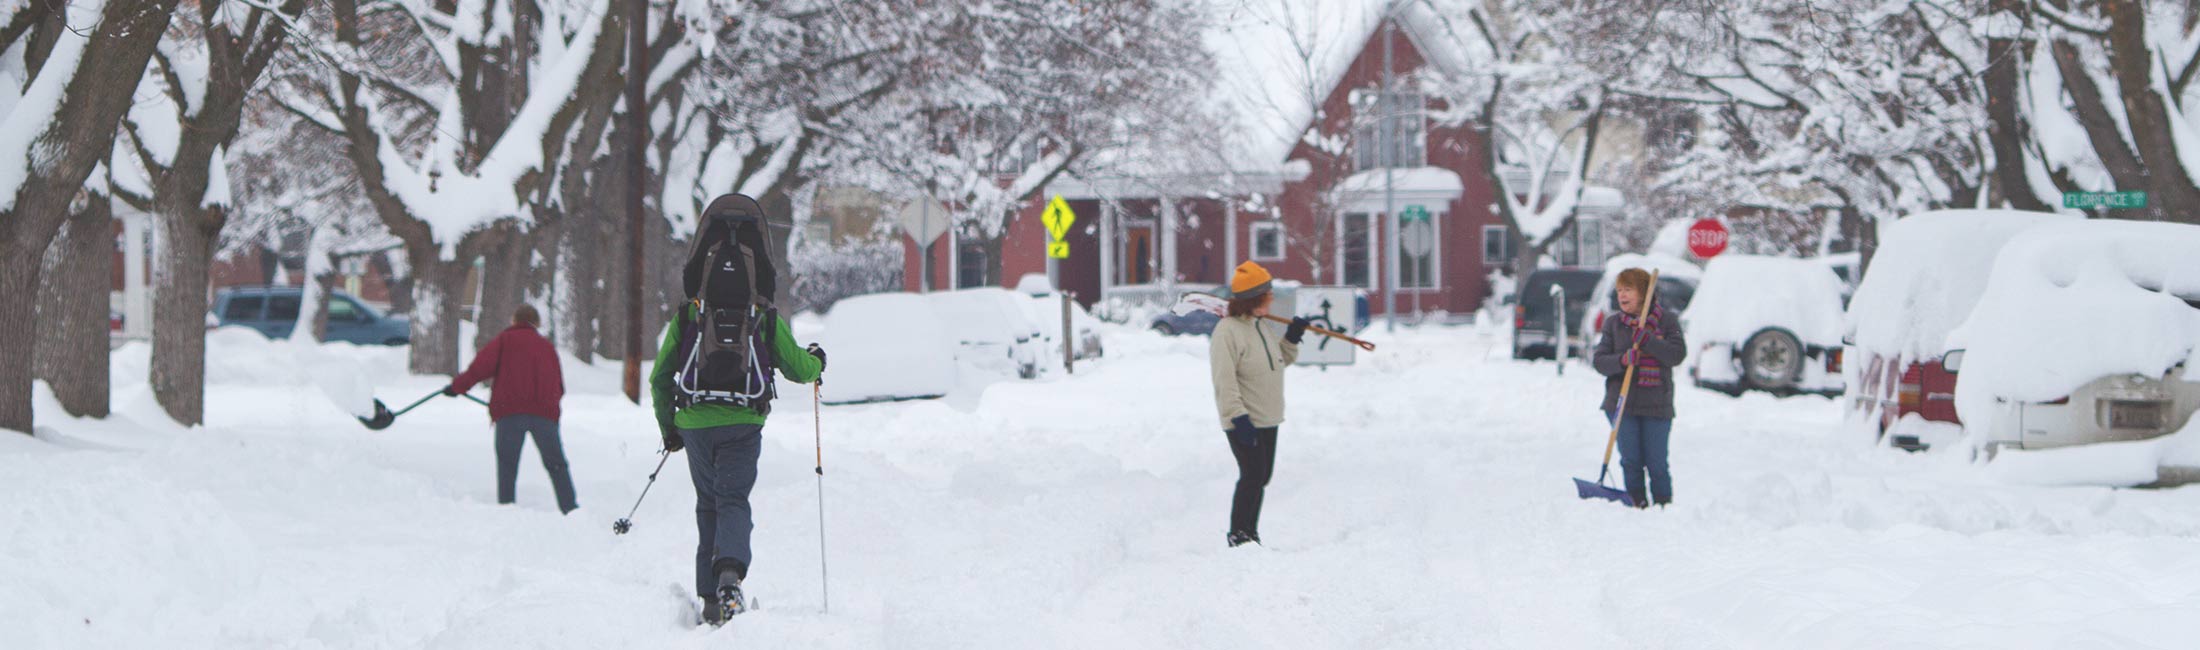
{"x": 1772, "y": 361}
{"x": 1164, "y": 329}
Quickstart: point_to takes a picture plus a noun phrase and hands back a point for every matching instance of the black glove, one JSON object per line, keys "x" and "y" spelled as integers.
{"x": 450, "y": 390}
{"x": 818, "y": 352}
{"x": 1242, "y": 431}
{"x": 672, "y": 440}
{"x": 1297, "y": 330}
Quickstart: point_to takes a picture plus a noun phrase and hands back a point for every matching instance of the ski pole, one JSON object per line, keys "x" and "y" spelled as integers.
{"x": 817, "y": 420}
{"x": 626, "y": 523}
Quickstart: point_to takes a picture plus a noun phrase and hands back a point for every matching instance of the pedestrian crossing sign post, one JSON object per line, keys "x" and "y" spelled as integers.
{"x": 1058, "y": 219}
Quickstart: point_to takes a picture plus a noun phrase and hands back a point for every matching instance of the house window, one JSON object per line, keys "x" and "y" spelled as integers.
{"x": 1267, "y": 240}
{"x": 1419, "y": 271}
{"x": 1358, "y": 237}
{"x": 971, "y": 266}
{"x": 1409, "y": 147}
{"x": 1497, "y": 246}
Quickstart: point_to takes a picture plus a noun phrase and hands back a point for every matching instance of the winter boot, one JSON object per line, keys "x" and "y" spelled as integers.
{"x": 1239, "y": 538}
{"x": 713, "y": 615}
{"x": 730, "y": 600}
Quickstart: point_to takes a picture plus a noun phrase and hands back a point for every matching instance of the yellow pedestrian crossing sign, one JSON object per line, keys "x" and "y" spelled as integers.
{"x": 1058, "y": 218}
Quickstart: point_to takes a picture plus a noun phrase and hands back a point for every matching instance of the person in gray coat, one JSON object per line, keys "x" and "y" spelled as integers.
{"x": 1652, "y": 344}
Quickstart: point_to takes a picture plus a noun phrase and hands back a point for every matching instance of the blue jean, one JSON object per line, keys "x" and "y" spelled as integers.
{"x": 512, "y": 432}
{"x": 1642, "y": 445}
{"x": 722, "y": 462}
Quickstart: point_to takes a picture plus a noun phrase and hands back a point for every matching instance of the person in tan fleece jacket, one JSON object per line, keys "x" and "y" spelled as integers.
{"x": 1248, "y": 357}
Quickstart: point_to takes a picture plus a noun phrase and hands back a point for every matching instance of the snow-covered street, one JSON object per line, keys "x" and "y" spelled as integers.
{"x": 1421, "y": 500}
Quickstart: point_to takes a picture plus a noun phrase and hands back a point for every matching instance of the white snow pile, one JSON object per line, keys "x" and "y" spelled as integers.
{"x": 886, "y": 346}
{"x": 2068, "y": 303}
{"x": 1927, "y": 274}
{"x": 1742, "y": 294}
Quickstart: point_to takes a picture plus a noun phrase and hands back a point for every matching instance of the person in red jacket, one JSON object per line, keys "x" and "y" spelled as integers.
{"x": 523, "y": 400}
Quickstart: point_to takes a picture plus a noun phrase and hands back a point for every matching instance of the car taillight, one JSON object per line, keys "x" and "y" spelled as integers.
{"x": 1520, "y": 317}
{"x": 1833, "y": 361}
{"x": 1910, "y": 392}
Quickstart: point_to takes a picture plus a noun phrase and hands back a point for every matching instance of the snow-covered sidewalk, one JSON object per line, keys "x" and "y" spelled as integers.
{"x": 1421, "y": 500}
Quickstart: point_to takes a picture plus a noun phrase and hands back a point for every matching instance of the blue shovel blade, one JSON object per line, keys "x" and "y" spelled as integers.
{"x": 1589, "y": 490}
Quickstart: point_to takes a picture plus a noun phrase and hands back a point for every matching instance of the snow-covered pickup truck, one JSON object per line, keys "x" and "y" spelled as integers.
{"x": 1769, "y": 324}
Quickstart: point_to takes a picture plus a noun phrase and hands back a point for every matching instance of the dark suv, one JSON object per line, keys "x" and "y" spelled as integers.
{"x": 274, "y": 310}
{"x": 1535, "y": 311}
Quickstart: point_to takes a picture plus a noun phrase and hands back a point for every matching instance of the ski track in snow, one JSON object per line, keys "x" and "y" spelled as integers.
{"x": 1421, "y": 500}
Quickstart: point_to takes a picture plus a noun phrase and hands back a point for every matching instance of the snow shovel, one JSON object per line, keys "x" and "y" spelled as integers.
{"x": 1192, "y": 302}
{"x": 1598, "y": 489}
{"x": 383, "y": 416}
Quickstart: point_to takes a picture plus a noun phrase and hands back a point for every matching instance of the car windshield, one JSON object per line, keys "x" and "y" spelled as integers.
{"x": 242, "y": 308}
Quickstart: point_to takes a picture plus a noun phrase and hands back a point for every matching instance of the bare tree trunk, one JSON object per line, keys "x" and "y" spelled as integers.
{"x": 72, "y": 310}
{"x": 2006, "y": 128}
{"x": 504, "y": 279}
{"x": 2171, "y": 189}
{"x": 582, "y": 287}
{"x": 438, "y": 306}
{"x": 80, "y": 135}
{"x": 186, "y": 252}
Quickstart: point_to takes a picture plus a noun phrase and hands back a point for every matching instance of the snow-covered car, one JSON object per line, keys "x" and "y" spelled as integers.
{"x": 888, "y": 346}
{"x": 1677, "y": 279}
{"x": 1768, "y": 324}
{"x": 992, "y": 328}
{"x": 2087, "y": 332}
{"x": 1925, "y": 277}
{"x": 1044, "y": 305}
{"x": 1170, "y": 323}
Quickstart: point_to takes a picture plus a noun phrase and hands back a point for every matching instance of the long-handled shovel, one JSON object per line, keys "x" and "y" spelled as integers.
{"x": 1192, "y": 302}
{"x": 383, "y": 416}
{"x": 1598, "y": 490}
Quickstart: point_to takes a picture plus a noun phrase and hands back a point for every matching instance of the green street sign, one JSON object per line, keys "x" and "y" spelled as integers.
{"x": 2091, "y": 200}
{"x": 1413, "y": 213}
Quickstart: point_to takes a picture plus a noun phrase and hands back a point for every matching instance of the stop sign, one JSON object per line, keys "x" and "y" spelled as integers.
{"x": 1707, "y": 238}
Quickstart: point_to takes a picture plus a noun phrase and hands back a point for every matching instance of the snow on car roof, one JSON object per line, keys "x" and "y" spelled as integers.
{"x": 2070, "y": 302}
{"x": 1927, "y": 274}
{"x": 1742, "y": 294}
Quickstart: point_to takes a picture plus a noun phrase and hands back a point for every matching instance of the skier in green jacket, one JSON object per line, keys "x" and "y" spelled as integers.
{"x": 723, "y": 439}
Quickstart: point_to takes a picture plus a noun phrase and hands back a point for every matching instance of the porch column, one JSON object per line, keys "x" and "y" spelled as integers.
{"x": 1168, "y": 244}
{"x": 1230, "y": 232}
{"x": 1108, "y": 246}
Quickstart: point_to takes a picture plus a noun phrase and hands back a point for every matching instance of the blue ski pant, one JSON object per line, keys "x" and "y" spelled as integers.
{"x": 722, "y": 462}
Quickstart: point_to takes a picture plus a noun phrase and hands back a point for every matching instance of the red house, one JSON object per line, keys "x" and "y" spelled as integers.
{"x": 1296, "y": 180}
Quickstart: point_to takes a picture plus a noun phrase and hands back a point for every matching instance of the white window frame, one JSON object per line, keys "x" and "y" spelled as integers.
{"x": 1374, "y": 249}
{"x": 1503, "y": 236}
{"x": 1272, "y": 226}
{"x": 1435, "y": 255}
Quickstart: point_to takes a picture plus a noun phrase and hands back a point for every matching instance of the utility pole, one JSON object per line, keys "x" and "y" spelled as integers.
{"x": 1388, "y": 158}
{"x": 637, "y": 124}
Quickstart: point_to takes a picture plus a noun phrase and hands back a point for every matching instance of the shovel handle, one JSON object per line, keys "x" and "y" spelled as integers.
{"x": 1331, "y": 334}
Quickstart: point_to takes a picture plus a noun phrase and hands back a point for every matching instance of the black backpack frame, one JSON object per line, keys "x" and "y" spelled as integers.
{"x": 727, "y": 330}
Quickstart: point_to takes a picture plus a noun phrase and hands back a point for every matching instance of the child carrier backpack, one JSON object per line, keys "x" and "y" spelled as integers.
{"x": 725, "y": 351}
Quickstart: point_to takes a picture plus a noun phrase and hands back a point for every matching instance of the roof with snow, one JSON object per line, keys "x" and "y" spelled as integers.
{"x": 1420, "y": 180}
{"x": 1276, "y": 61}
